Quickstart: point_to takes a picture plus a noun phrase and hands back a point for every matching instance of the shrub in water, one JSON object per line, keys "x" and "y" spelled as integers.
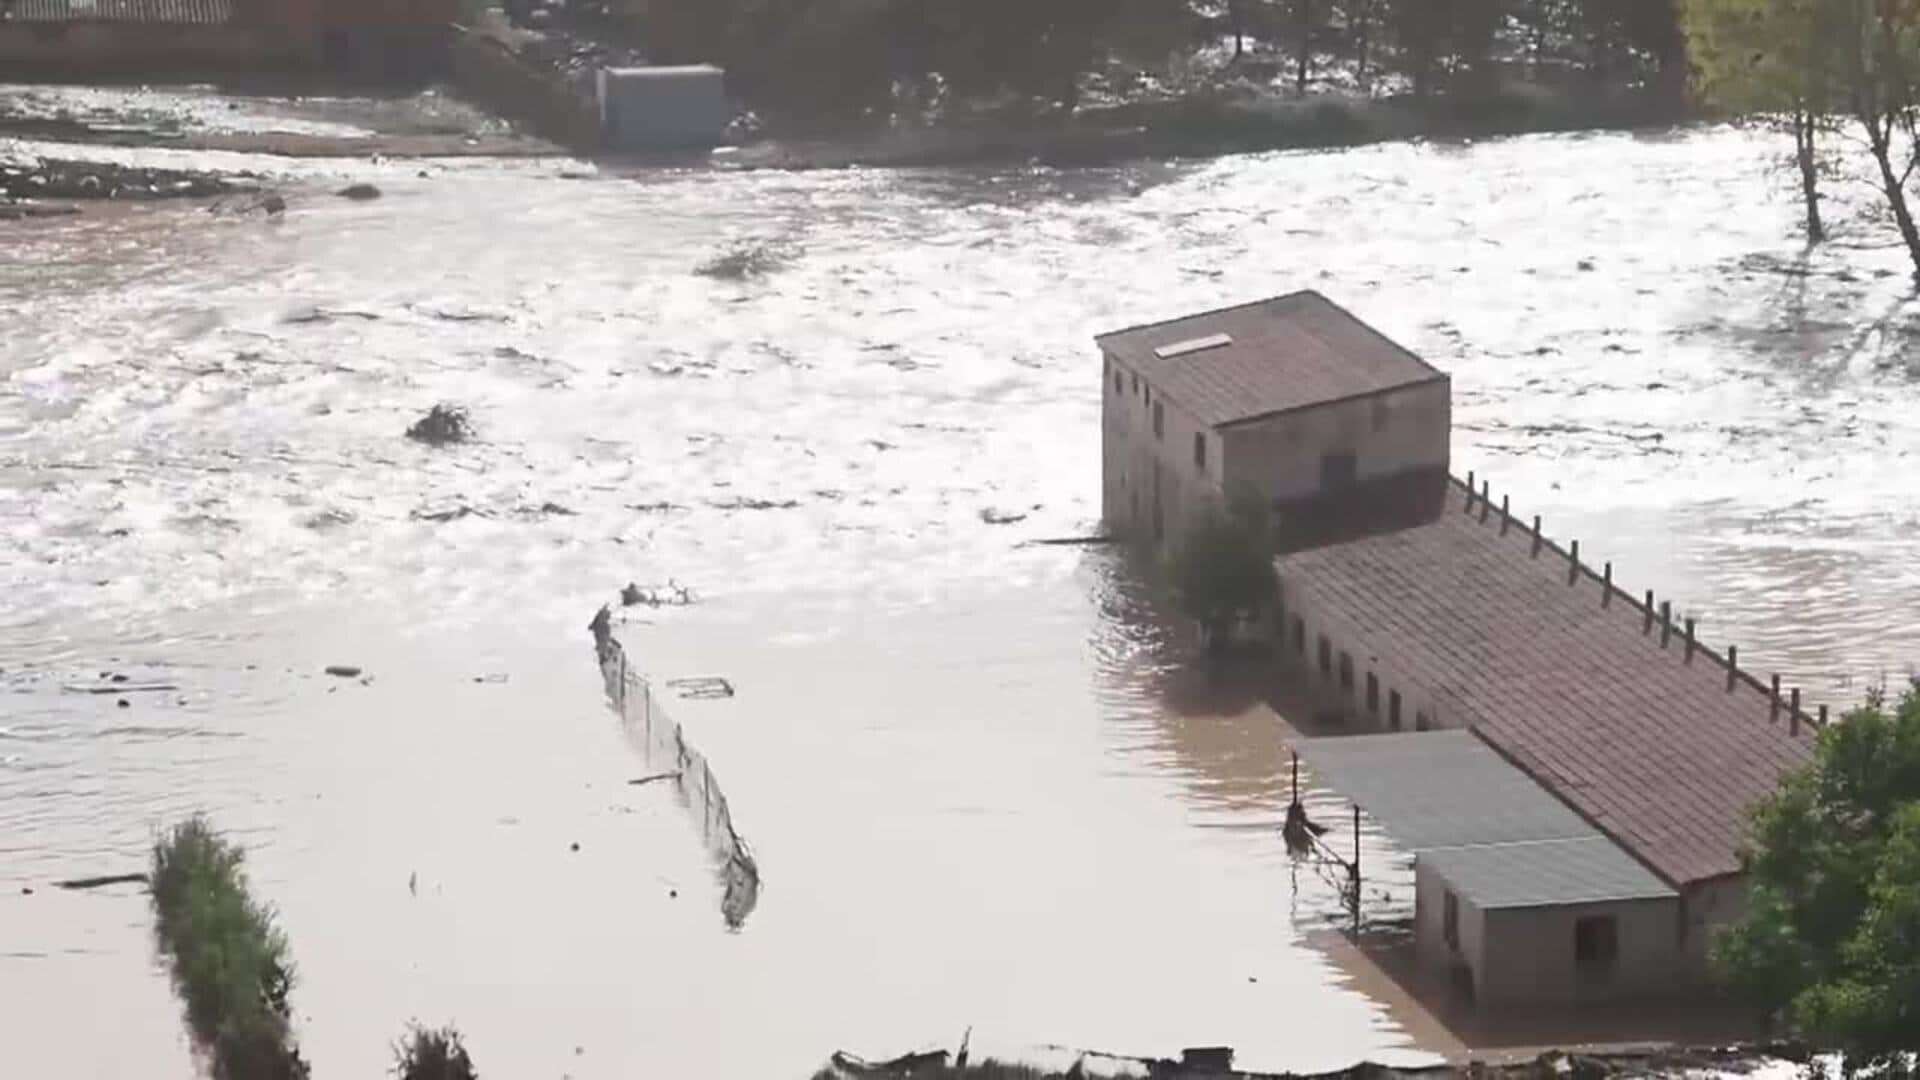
{"x": 230, "y": 963}
{"x": 443, "y": 424}
{"x": 428, "y": 1054}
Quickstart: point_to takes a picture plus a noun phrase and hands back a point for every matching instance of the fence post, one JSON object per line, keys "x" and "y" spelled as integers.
{"x": 1823, "y": 716}
{"x": 1506, "y": 517}
{"x": 1689, "y": 641}
{"x": 1573, "y": 563}
{"x": 1666, "y": 622}
{"x": 1486, "y": 499}
{"x": 1470, "y": 490}
{"x": 1646, "y": 627}
{"x": 1793, "y": 713}
{"x": 1606, "y": 587}
{"x": 1773, "y": 701}
{"x": 1536, "y": 536}
{"x": 1733, "y": 666}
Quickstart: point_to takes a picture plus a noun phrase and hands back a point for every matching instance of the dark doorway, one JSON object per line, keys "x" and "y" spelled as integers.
{"x": 1596, "y": 948}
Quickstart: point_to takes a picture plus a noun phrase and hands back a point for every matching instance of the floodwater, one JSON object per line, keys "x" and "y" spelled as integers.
{"x": 979, "y": 791}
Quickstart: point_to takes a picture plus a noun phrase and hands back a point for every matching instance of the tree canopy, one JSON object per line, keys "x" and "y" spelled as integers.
{"x": 1831, "y": 939}
{"x": 1223, "y": 571}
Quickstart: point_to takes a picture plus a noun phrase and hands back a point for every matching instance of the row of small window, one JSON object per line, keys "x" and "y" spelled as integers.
{"x": 1325, "y": 657}
{"x": 1160, "y": 418}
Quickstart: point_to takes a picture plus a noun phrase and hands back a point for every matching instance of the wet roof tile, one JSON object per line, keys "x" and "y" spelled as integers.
{"x": 1242, "y": 363}
{"x": 1655, "y": 750}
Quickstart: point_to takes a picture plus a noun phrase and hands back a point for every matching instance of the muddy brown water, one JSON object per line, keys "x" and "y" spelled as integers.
{"x": 976, "y": 790}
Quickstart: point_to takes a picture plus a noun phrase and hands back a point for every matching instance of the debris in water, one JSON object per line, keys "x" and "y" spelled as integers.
{"x": 672, "y": 594}
{"x": 359, "y": 192}
{"x": 704, "y": 687}
{"x": 343, "y": 671}
{"x": 742, "y": 262}
{"x": 274, "y": 205}
{"x": 443, "y": 424}
{"x": 97, "y": 882}
{"x": 1000, "y": 517}
{"x": 746, "y": 503}
{"x": 125, "y": 704}
{"x": 1586, "y": 264}
{"x": 452, "y": 513}
{"x": 575, "y": 846}
{"x": 653, "y": 778}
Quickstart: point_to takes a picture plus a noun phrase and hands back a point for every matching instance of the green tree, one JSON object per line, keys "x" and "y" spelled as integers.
{"x": 1223, "y": 572}
{"x": 1777, "y": 59}
{"x": 1831, "y": 939}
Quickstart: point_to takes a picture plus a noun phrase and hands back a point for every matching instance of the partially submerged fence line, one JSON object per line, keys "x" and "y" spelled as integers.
{"x": 664, "y": 745}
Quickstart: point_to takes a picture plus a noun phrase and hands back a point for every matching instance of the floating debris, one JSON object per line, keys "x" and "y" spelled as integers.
{"x": 672, "y": 594}
{"x": 343, "y": 671}
{"x": 743, "y": 262}
{"x": 702, "y": 687}
{"x": 359, "y": 192}
{"x": 442, "y": 426}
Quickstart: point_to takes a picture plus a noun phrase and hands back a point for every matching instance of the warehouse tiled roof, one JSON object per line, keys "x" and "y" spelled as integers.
{"x": 1662, "y": 754}
{"x": 1256, "y": 360}
{"x": 184, "y": 12}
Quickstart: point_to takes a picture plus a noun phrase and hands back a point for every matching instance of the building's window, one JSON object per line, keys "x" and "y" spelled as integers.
{"x": 1326, "y": 656}
{"x": 1373, "y": 694}
{"x": 1117, "y": 387}
{"x": 1450, "y": 921}
{"x": 1299, "y": 636}
{"x": 1136, "y": 382}
{"x": 1346, "y": 672}
{"x": 1159, "y": 420}
{"x": 1147, "y": 394}
{"x": 1382, "y": 412}
{"x": 1596, "y": 947}
{"x": 1200, "y": 450}
{"x": 1393, "y": 709}
{"x": 1338, "y": 471}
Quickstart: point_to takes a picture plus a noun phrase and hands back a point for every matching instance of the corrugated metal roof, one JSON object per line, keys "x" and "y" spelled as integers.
{"x": 1493, "y": 834}
{"x": 188, "y": 12}
{"x": 1545, "y": 873}
{"x": 1437, "y": 789}
{"x": 1286, "y": 353}
{"x": 1663, "y": 755}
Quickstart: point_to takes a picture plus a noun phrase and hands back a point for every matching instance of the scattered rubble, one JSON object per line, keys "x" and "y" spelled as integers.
{"x": 51, "y": 178}
{"x": 443, "y": 425}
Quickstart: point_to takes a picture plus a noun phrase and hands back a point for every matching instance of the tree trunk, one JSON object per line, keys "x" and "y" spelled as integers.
{"x": 1363, "y": 25}
{"x": 1806, "y": 156}
{"x": 1880, "y": 141}
{"x": 1306, "y": 45}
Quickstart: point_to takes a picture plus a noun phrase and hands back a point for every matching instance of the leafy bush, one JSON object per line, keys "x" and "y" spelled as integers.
{"x": 230, "y": 963}
{"x": 1223, "y": 572}
{"x": 432, "y": 1054}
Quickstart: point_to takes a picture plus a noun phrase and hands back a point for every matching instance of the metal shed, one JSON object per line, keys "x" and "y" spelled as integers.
{"x": 663, "y": 108}
{"x": 1517, "y": 896}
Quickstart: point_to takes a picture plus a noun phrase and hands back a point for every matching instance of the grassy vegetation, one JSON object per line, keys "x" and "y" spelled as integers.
{"x": 432, "y": 1054}
{"x": 230, "y": 963}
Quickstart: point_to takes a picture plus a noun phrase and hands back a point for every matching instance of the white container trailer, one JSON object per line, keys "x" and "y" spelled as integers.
{"x": 664, "y": 108}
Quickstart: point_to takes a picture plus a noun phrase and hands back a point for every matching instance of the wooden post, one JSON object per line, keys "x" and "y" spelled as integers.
{"x": 1689, "y": 641}
{"x": 1666, "y": 622}
{"x": 1793, "y": 713}
{"x": 1823, "y": 716}
{"x": 1606, "y": 587}
{"x": 1486, "y": 499}
{"x": 1733, "y": 666}
{"x": 1773, "y": 701}
{"x": 1356, "y": 867}
{"x": 1470, "y": 490}
{"x": 1506, "y": 516}
{"x": 1536, "y": 536}
{"x": 1647, "y": 625}
{"x": 1296, "y": 776}
{"x": 1573, "y": 563}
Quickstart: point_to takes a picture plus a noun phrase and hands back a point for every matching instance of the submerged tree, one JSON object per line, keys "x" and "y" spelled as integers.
{"x": 1223, "y": 572}
{"x": 1775, "y": 59}
{"x": 1831, "y": 939}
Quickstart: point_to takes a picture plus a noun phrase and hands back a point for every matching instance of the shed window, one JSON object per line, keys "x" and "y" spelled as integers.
{"x": 1159, "y": 420}
{"x": 1596, "y": 947}
{"x": 1393, "y": 709}
{"x": 1450, "y": 920}
{"x": 1200, "y": 450}
{"x": 1326, "y": 656}
{"x": 1346, "y": 672}
{"x": 1373, "y": 693}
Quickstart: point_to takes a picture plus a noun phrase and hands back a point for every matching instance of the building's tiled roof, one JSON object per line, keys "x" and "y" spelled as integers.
{"x": 188, "y": 12}
{"x": 1658, "y": 753}
{"x": 1286, "y": 353}
{"x": 1492, "y": 833}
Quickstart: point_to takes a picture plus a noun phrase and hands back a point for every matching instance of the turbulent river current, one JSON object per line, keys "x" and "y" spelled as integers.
{"x": 972, "y": 783}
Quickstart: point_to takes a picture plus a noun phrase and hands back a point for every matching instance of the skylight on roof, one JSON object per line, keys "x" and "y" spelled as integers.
{"x": 1194, "y": 345}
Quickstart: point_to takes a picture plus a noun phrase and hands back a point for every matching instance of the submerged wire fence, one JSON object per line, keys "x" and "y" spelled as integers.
{"x": 663, "y": 743}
